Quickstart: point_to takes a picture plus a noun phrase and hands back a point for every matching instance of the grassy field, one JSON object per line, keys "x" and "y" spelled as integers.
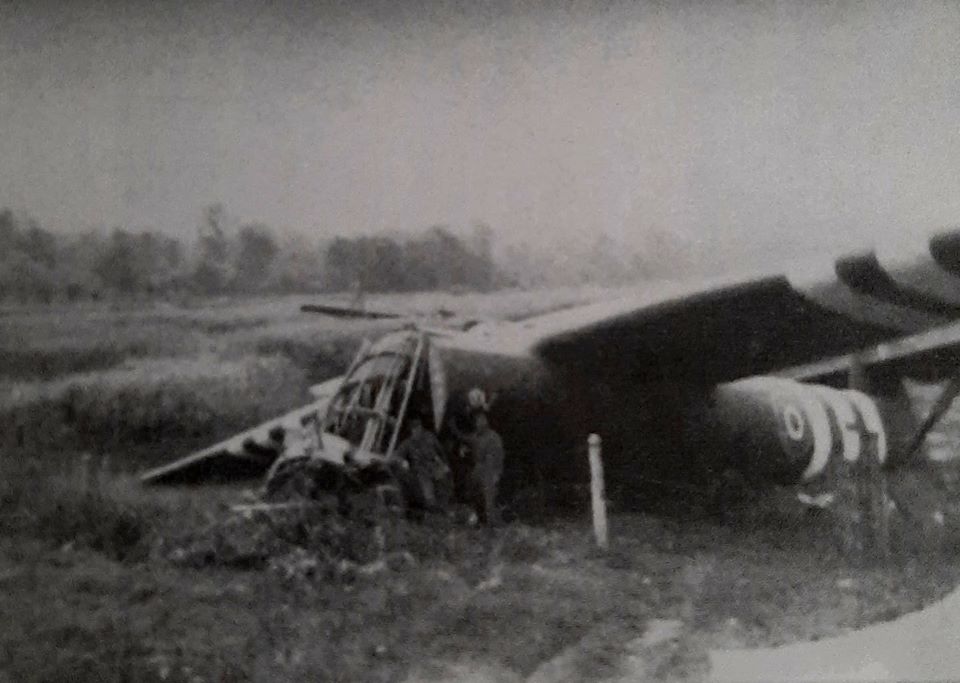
{"x": 138, "y": 377}
{"x": 101, "y": 580}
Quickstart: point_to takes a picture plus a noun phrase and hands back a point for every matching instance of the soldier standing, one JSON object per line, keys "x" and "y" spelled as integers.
{"x": 486, "y": 447}
{"x": 420, "y": 465}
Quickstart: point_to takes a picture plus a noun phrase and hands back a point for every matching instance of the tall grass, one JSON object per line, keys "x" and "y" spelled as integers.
{"x": 45, "y": 344}
{"x": 148, "y": 377}
{"x": 150, "y": 401}
{"x": 41, "y": 345}
{"x": 77, "y": 506}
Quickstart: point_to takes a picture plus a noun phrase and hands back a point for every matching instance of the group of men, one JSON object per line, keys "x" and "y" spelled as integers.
{"x": 423, "y": 468}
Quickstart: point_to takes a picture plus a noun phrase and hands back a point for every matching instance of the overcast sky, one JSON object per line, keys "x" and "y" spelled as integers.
{"x": 738, "y": 129}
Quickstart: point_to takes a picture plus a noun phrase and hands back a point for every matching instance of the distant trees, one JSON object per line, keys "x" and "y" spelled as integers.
{"x": 373, "y": 263}
{"x": 210, "y": 274}
{"x": 297, "y": 266}
{"x": 117, "y": 264}
{"x": 598, "y": 259}
{"x": 136, "y": 263}
{"x": 37, "y": 265}
{"x": 256, "y": 251}
{"x": 39, "y": 245}
{"x": 437, "y": 259}
{"x": 228, "y": 256}
{"x": 24, "y": 279}
{"x": 27, "y": 259}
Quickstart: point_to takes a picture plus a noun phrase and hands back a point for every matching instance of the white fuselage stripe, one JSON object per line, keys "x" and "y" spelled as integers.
{"x": 820, "y": 425}
{"x": 846, "y": 420}
{"x": 867, "y": 408}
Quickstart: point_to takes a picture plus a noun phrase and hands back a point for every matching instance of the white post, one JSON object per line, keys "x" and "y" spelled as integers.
{"x": 597, "y": 497}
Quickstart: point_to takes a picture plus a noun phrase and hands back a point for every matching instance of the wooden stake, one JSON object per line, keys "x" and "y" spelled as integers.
{"x": 597, "y": 496}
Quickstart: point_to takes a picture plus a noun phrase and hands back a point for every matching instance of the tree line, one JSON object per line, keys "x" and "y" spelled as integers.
{"x": 230, "y": 257}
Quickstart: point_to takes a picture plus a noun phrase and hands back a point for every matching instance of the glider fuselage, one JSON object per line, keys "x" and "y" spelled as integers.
{"x": 771, "y": 430}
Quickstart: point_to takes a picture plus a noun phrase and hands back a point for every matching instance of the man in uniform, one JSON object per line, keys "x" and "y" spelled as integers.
{"x": 486, "y": 447}
{"x": 421, "y": 467}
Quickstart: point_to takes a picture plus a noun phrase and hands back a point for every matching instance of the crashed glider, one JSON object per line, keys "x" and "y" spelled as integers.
{"x": 775, "y": 375}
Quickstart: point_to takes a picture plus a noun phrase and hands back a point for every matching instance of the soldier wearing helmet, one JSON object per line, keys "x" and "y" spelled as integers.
{"x": 486, "y": 449}
{"x": 421, "y": 467}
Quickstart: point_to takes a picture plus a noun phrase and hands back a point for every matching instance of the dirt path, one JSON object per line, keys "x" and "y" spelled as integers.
{"x": 666, "y": 596}
{"x": 924, "y": 645}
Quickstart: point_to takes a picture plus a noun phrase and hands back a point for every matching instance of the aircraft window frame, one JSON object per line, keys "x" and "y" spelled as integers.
{"x": 353, "y": 379}
{"x": 346, "y": 407}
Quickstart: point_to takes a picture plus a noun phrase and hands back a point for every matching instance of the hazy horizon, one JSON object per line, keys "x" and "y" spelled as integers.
{"x": 743, "y": 133}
